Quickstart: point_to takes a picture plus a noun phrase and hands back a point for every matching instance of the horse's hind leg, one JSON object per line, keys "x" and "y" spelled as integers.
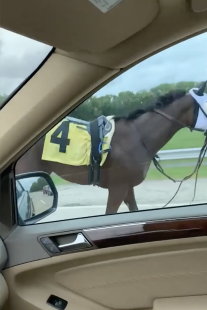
{"x": 130, "y": 200}
{"x": 115, "y": 198}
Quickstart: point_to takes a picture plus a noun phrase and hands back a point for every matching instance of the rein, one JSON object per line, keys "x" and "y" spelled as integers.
{"x": 198, "y": 163}
{"x": 170, "y": 118}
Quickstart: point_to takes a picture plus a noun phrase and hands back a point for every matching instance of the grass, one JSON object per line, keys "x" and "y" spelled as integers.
{"x": 176, "y": 173}
{"x": 182, "y": 140}
{"x": 185, "y": 139}
{"x": 59, "y": 181}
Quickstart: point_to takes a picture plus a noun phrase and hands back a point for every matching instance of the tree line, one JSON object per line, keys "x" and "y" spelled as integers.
{"x": 38, "y": 185}
{"x": 124, "y": 102}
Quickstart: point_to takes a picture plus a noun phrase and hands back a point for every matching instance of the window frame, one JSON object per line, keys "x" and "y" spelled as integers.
{"x": 26, "y": 80}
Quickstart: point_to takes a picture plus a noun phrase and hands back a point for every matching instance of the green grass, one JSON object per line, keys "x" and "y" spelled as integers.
{"x": 176, "y": 172}
{"x": 182, "y": 140}
{"x": 185, "y": 139}
{"x": 59, "y": 181}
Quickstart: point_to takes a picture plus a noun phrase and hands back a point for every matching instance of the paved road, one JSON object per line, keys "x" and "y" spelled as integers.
{"x": 80, "y": 201}
{"x": 41, "y": 202}
{"x": 76, "y": 201}
{"x": 149, "y": 192}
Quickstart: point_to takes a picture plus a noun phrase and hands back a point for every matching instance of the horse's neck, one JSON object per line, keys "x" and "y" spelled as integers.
{"x": 157, "y": 130}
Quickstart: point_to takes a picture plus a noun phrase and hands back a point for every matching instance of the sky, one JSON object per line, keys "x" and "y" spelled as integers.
{"x": 19, "y": 57}
{"x": 27, "y": 182}
{"x": 186, "y": 61}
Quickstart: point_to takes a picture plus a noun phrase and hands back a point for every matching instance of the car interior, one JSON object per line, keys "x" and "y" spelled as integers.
{"x": 138, "y": 260}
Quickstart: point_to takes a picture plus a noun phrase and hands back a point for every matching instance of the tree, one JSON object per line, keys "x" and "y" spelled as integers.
{"x": 34, "y": 187}
{"x": 38, "y": 186}
{"x": 41, "y": 182}
{"x": 125, "y": 102}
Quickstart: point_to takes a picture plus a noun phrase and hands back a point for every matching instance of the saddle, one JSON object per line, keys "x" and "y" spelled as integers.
{"x": 98, "y": 129}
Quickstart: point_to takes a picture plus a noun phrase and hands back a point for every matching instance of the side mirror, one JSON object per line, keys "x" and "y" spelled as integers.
{"x": 36, "y": 196}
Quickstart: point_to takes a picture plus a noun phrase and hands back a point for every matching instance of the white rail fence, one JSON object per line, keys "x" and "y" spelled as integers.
{"x": 179, "y": 154}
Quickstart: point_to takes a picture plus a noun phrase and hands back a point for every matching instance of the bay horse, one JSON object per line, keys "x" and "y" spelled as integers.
{"x": 136, "y": 140}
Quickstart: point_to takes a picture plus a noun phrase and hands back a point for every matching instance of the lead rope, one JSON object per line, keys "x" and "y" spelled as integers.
{"x": 196, "y": 170}
{"x": 201, "y": 161}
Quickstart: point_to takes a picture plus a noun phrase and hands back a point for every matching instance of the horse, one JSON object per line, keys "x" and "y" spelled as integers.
{"x": 136, "y": 140}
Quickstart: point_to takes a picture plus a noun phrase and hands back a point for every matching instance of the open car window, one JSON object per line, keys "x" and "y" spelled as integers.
{"x": 19, "y": 57}
{"x": 128, "y": 180}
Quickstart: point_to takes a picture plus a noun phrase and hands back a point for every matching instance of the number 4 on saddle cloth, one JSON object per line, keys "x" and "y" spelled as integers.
{"x": 76, "y": 142}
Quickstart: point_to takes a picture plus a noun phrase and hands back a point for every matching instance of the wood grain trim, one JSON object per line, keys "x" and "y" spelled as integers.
{"x": 104, "y": 237}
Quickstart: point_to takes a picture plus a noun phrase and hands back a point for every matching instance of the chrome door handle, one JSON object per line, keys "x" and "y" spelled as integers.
{"x": 79, "y": 241}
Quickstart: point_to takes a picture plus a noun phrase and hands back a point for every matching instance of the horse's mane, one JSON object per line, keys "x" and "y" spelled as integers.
{"x": 160, "y": 102}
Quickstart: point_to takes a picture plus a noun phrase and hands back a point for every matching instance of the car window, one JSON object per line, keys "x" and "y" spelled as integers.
{"x": 19, "y": 57}
{"x": 123, "y": 149}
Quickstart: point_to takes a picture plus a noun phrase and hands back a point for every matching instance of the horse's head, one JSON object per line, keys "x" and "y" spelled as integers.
{"x": 200, "y": 96}
{"x": 200, "y": 99}
{"x": 178, "y": 107}
{"x": 188, "y": 110}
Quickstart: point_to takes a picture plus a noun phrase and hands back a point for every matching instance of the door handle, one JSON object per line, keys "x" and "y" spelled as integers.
{"x": 80, "y": 241}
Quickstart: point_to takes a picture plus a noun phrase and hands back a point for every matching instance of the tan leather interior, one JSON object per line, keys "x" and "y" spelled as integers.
{"x": 199, "y": 5}
{"x": 181, "y": 303}
{"x": 127, "y": 33}
{"x": 179, "y": 22}
{"x": 76, "y": 18}
{"x": 129, "y": 277}
{"x": 4, "y": 292}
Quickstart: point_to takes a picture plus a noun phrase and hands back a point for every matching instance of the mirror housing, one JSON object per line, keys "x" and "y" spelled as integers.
{"x": 52, "y": 192}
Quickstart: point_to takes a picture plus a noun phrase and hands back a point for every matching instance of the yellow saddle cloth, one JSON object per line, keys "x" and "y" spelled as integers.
{"x": 72, "y": 146}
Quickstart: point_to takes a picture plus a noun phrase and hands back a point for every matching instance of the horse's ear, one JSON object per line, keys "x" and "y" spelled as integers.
{"x": 201, "y": 89}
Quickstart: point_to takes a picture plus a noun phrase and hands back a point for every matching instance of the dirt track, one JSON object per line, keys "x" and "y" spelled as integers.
{"x": 41, "y": 202}
{"x": 148, "y": 193}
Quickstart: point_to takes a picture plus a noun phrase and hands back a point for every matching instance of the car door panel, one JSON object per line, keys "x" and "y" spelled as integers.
{"x": 125, "y": 277}
{"x": 23, "y": 243}
{"x": 3, "y": 256}
{"x": 3, "y": 285}
{"x": 4, "y": 292}
{"x": 121, "y": 283}
{"x": 181, "y": 303}
{"x": 126, "y": 266}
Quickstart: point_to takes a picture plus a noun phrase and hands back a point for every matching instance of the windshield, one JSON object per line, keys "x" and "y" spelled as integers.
{"x": 19, "y": 57}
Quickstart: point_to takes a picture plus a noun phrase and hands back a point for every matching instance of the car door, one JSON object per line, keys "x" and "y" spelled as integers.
{"x": 71, "y": 255}
{"x": 120, "y": 261}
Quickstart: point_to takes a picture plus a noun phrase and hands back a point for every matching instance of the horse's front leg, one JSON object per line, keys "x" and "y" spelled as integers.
{"x": 115, "y": 198}
{"x": 130, "y": 200}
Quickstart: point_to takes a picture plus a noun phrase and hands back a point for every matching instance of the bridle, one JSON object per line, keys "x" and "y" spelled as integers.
{"x": 172, "y": 119}
{"x": 201, "y": 154}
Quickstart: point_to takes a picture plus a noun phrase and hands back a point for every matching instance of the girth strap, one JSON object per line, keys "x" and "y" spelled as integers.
{"x": 95, "y": 155}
